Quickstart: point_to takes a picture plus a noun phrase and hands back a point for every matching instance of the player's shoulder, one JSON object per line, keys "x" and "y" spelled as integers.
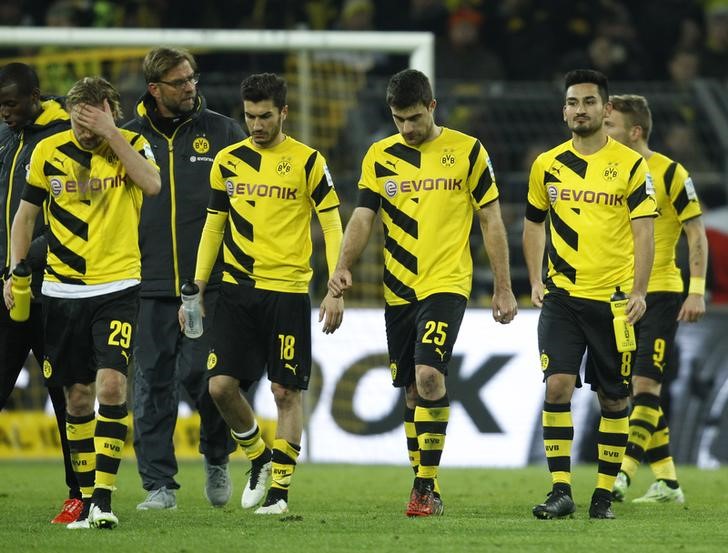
{"x": 236, "y": 148}
{"x": 659, "y": 163}
{"x": 616, "y": 151}
{"x": 548, "y": 156}
{"x": 297, "y": 148}
{"x": 55, "y": 140}
{"x": 453, "y": 135}
{"x": 386, "y": 142}
{"x": 131, "y": 135}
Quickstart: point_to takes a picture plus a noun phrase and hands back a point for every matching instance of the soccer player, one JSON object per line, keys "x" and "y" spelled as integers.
{"x": 28, "y": 117}
{"x": 427, "y": 180}
{"x": 92, "y": 178}
{"x": 630, "y": 122}
{"x": 597, "y": 195}
{"x": 263, "y": 191}
{"x": 186, "y": 135}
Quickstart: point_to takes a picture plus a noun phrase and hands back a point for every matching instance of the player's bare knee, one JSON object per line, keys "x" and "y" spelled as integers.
{"x": 285, "y": 398}
{"x": 223, "y": 389}
{"x": 110, "y": 387}
{"x": 430, "y": 382}
{"x": 560, "y": 388}
{"x": 645, "y": 385}
{"x": 80, "y": 400}
{"x": 610, "y": 404}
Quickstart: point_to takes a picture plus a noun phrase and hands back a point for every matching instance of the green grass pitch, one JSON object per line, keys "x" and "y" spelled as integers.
{"x": 361, "y": 509}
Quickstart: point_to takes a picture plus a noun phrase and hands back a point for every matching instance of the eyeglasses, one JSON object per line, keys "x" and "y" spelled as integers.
{"x": 179, "y": 84}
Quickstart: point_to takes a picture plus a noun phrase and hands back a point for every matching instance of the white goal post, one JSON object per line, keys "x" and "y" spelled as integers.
{"x": 418, "y": 45}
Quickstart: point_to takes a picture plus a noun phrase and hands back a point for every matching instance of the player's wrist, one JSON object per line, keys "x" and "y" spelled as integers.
{"x": 697, "y": 286}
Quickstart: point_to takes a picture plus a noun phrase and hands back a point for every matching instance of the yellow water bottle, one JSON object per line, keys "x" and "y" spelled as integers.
{"x": 623, "y": 330}
{"x": 21, "y": 292}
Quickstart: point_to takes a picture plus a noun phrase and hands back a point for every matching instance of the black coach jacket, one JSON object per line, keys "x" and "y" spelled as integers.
{"x": 15, "y": 150}
{"x": 171, "y": 222}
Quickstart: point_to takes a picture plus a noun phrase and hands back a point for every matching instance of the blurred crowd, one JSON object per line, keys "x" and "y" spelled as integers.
{"x": 674, "y": 40}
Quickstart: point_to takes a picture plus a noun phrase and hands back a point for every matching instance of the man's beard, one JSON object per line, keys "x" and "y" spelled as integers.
{"x": 177, "y": 110}
{"x": 585, "y": 131}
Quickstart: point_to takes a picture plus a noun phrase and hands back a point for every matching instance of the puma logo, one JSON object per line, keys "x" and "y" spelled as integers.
{"x": 440, "y": 353}
{"x": 290, "y": 367}
{"x": 126, "y": 356}
{"x": 233, "y": 164}
{"x": 392, "y": 163}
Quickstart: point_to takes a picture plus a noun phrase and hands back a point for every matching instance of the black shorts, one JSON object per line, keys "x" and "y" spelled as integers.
{"x": 256, "y": 329}
{"x": 656, "y": 336}
{"x": 422, "y": 333}
{"x": 86, "y": 334}
{"x": 567, "y": 328}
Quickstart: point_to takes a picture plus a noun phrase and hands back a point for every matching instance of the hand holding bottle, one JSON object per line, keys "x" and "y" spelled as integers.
{"x": 191, "y": 312}
{"x": 17, "y": 292}
{"x": 623, "y": 329}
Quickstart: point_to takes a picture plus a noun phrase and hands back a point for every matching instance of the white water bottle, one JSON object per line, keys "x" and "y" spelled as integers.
{"x": 193, "y": 312}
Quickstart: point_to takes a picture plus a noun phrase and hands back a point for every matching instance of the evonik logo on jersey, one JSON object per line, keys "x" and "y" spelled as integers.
{"x": 391, "y": 187}
{"x": 584, "y": 196}
{"x": 94, "y": 185}
{"x": 260, "y": 190}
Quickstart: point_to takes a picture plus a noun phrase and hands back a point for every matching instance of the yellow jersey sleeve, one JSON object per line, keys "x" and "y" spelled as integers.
{"x": 481, "y": 180}
{"x": 641, "y": 192}
{"x": 537, "y": 196}
{"x": 321, "y": 185}
{"x": 683, "y": 196}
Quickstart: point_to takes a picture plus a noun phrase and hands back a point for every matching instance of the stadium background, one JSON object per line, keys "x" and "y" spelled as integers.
{"x": 497, "y": 73}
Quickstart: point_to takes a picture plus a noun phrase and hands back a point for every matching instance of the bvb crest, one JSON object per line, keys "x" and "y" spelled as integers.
{"x": 201, "y": 145}
{"x": 284, "y": 167}
{"x": 448, "y": 158}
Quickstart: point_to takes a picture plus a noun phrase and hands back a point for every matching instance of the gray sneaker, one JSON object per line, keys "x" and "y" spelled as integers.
{"x": 218, "y": 487}
{"x": 659, "y": 492}
{"x": 161, "y": 498}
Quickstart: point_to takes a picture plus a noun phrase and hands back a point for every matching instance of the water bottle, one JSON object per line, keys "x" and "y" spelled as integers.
{"x": 193, "y": 313}
{"x": 623, "y": 331}
{"x": 21, "y": 292}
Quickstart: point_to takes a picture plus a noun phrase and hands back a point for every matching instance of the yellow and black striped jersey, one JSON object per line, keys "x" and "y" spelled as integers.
{"x": 93, "y": 209}
{"x": 269, "y": 194}
{"x": 677, "y": 202}
{"x": 427, "y": 196}
{"x": 590, "y": 200}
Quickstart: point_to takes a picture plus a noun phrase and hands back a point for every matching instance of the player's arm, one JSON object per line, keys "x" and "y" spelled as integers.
{"x": 534, "y": 230}
{"x": 331, "y": 311}
{"x": 694, "y": 305}
{"x": 496, "y": 246}
{"x": 21, "y": 235}
{"x": 644, "y": 254}
{"x": 212, "y": 235}
{"x": 355, "y": 240}
{"x": 101, "y": 122}
{"x": 210, "y": 241}
{"x": 534, "y": 243}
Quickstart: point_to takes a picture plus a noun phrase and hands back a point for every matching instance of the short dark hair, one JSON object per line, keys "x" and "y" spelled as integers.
{"x": 581, "y": 76}
{"x": 160, "y": 60}
{"x": 636, "y": 109}
{"x": 409, "y": 88}
{"x": 21, "y": 75}
{"x": 265, "y": 86}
